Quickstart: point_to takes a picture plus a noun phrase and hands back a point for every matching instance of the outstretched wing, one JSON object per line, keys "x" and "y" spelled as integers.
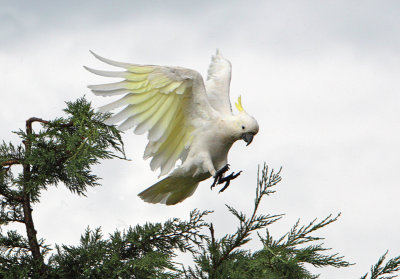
{"x": 218, "y": 82}
{"x": 166, "y": 102}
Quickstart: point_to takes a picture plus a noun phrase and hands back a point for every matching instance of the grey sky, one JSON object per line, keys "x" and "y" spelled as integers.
{"x": 321, "y": 77}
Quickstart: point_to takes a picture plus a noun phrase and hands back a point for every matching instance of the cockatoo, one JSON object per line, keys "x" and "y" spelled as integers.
{"x": 186, "y": 118}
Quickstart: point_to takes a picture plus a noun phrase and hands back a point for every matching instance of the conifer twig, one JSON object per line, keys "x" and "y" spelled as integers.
{"x": 265, "y": 180}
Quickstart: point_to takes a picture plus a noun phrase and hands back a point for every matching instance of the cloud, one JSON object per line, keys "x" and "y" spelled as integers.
{"x": 320, "y": 77}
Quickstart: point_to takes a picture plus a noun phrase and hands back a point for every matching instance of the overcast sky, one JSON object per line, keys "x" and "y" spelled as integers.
{"x": 321, "y": 78}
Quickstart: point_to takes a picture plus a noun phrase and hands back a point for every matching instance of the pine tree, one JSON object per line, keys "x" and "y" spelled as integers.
{"x": 62, "y": 151}
{"x": 281, "y": 258}
{"x": 65, "y": 149}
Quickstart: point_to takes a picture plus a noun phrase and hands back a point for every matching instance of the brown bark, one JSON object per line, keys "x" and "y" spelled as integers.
{"x": 10, "y": 162}
{"x": 30, "y": 230}
{"x": 28, "y": 220}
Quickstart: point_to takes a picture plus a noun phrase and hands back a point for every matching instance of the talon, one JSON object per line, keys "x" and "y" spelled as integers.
{"x": 237, "y": 174}
{"x": 214, "y": 183}
{"x": 225, "y": 186}
{"x": 227, "y": 180}
{"x": 229, "y": 177}
{"x": 221, "y": 171}
{"x": 219, "y": 175}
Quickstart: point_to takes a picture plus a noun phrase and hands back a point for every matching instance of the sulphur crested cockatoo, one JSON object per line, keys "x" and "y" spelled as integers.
{"x": 186, "y": 119}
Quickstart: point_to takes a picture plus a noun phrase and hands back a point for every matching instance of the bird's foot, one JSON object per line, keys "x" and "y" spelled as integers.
{"x": 219, "y": 175}
{"x": 227, "y": 180}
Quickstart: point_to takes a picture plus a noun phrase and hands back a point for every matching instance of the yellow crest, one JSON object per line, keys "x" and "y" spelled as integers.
{"x": 239, "y": 104}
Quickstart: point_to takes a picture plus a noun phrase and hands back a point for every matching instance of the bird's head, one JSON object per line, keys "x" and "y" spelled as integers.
{"x": 246, "y": 126}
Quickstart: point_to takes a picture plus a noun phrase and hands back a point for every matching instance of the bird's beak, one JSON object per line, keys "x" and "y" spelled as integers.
{"x": 248, "y": 137}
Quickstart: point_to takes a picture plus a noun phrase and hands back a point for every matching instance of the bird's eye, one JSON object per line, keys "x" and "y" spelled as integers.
{"x": 243, "y": 127}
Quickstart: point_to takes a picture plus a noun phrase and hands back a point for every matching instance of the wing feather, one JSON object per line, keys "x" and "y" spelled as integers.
{"x": 110, "y": 62}
{"x": 109, "y": 86}
{"x": 218, "y": 83}
{"x": 159, "y": 129}
{"x": 142, "y": 97}
{"x": 158, "y": 146}
{"x": 174, "y": 154}
{"x": 110, "y": 92}
{"x": 155, "y": 117}
{"x": 116, "y": 104}
{"x": 123, "y": 114}
{"x": 107, "y": 73}
{"x": 162, "y": 157}
{"x": 157, "y": 100}
{"x": 146, "y": 111}
{"x": 154, "y": 147}
{"x": 129, "y": 99}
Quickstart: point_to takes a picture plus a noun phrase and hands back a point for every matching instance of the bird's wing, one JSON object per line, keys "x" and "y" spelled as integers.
{"x": 218, "y": 82}
{"x": 166, "y": 102}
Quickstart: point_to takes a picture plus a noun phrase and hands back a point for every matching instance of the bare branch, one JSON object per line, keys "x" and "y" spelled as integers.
{"x": 35, "y": 119}
{"x": 10, "y": 162}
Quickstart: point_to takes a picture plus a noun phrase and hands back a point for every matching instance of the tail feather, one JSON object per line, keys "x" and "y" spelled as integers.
{"x": 171, "y": 190}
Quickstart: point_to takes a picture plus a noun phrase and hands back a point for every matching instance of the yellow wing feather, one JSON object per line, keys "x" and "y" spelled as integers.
{"x": 154, "y": 103}
{"x": 158, "y": 130}
{"x": 154, "y": 147}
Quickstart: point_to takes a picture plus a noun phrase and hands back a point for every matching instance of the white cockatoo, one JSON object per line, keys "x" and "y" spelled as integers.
{"x": 186, "y": 118}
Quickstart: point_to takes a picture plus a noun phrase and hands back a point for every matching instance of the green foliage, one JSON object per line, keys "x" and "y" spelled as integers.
{"x": 14, "y": 253}
{"x": 282, "y": 258}
{"x": 140, "y": 252}
{"x": 64, "y": 151}
{"x": 60, "y": 151}
{"x": 16, "y": 260}
{"x": 380, "y": 270}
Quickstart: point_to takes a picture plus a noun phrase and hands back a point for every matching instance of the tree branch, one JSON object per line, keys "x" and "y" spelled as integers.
{"x": 10, "y": 196}
{"x": 14, "y": 220}
{"x": 7, "y": 164}
{"x": 34, "y": 119}
{"x": 10, "y": 162}
{"x": 26, "y": 204}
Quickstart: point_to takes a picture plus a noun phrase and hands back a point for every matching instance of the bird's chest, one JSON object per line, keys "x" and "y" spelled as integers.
{"x": 217, "y": 146}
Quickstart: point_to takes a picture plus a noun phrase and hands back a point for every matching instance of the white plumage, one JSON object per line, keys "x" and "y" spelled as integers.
{"x": 185, "y": 119}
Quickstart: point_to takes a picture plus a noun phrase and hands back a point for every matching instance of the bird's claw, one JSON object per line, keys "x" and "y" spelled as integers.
{"x": 219, "y": 177}
{"x": 221, "y": 171}
{"x": 227, "y": 180}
